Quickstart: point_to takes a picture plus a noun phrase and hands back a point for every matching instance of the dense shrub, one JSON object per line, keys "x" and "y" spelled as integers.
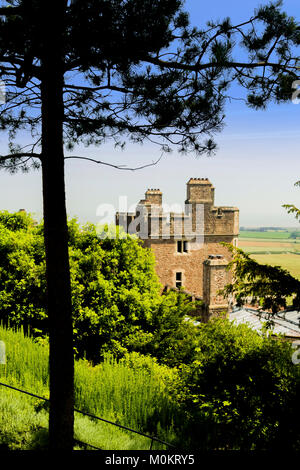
{"x": 241, "y": 392}
{"x": 116, "y": 294}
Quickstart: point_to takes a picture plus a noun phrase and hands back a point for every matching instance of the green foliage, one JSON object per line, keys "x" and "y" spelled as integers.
{"x": 292, "y": 209}
{"x": 24, "y": 426}
{"x": 116, "y": 295}
{"x": 132, "y": 392}
{"x": 27, "y": 362}
{"x": 267, "y": 285}
{"x": 241, "y": 392}
{"x": 16, "y": 221}
{"x": 22, "y": 272}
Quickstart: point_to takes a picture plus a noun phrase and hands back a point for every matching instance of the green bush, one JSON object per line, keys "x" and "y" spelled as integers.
{"x": 241, "y": 392}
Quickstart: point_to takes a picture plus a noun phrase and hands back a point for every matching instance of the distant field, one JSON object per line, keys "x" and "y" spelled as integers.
{"x": 287, "y": 261}
{"x": 256, "y": 245}
{"x": 272, "y": 234}
{"x": 274, "y": 248}
{"x": 269, "y": 243}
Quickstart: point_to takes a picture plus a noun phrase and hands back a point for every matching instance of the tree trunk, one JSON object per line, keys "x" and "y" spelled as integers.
{"x": 61, "y": 418}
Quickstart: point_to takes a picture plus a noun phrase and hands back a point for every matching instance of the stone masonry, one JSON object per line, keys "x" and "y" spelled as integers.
{"x": 187, "y": 245}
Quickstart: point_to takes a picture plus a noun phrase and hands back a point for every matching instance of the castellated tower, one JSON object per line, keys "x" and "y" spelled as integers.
{"x": 200, "y": 190}
{"x": 154, "y": 196}
{"x": 186, "y": 245}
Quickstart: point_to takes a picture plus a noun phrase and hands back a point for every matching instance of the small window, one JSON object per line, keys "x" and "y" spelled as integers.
{"x": 178, "y": 279}
{"x": 182, "y": 246}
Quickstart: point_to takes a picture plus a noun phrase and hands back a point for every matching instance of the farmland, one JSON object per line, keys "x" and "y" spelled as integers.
{"x": 273, "y": 247}
{"x": 270, "y": 234}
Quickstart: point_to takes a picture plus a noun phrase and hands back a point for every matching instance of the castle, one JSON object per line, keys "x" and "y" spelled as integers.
{"x": 186, "y": 244}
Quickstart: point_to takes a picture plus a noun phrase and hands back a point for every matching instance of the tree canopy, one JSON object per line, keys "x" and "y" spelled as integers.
{"x": 138, "y": 69}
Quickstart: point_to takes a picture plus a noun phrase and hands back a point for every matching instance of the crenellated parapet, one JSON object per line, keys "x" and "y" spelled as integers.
{"x": 199, "y": 218}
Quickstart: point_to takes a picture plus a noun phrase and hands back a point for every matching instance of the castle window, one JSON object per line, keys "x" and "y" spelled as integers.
{"x": 178, "y": 279}
{"x": 182, "y": 246}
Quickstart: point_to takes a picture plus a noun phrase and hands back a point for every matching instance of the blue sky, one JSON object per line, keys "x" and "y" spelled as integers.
{"x": 254, "y": 169}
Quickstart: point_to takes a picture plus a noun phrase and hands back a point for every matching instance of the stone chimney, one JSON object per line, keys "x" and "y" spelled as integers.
{"x": 154, "y": 196}
{"x": 200, "y": 191}
{"x": 215, "y": 277}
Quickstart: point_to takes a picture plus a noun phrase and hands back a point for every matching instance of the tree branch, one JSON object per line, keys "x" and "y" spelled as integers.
{"x": 118, "y": 167}
{"x": 3, "y": 158}
{"x": 104, "y": 87}
{"x": 209, "y": 65}
{"x": 10, "y": 11}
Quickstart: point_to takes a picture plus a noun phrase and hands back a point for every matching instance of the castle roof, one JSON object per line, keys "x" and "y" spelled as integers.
{"x": 285, "y": 322}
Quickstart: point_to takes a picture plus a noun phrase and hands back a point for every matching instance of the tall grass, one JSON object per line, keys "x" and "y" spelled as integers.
{"x": 21, "y": 425}
{"x": 131, "y": 392}
{"x": 24, "y": 423}
{"x": 26, "y": 362}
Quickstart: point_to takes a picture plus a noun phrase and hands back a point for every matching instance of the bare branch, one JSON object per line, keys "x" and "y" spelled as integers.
{"x": 118, "y": 167}
{"x": 104, "y": 87}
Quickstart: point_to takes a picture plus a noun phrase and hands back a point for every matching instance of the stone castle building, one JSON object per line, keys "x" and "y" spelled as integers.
{"x": 186, "y": 245}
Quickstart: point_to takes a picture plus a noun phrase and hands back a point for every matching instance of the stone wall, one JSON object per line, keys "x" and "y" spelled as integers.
{"x": 169, "y": 261}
